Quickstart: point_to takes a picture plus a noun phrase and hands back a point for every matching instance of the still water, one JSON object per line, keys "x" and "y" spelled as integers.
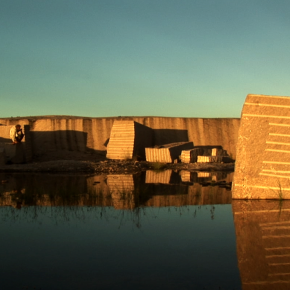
{"x": 156, "y": 230}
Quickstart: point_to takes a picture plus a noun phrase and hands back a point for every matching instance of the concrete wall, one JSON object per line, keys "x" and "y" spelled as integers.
{"x": 80, "y": 134}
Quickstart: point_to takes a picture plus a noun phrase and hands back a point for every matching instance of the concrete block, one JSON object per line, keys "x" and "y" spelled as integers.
{"x": 167, "y": 153}
{"x": 128, "y": 139}
{"x": 190, "y": 156}
{"x": 217, "y": 152}
{"x": 209, "y": 159}
{"x": 262, "y": 169}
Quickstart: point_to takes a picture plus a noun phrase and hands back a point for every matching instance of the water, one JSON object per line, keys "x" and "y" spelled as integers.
{"x": 117, "y": 232}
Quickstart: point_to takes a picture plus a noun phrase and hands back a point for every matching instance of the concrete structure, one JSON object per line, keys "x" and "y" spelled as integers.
{"x": 209, "y": 159}
{"x": 60, "y": 135}
{"x": 262, "y": 238}
{"x": 167, "y": 153}
{"x": 191, "y": 156}
{"x": 262, "y": 169}
{"x": 128, "y": 139}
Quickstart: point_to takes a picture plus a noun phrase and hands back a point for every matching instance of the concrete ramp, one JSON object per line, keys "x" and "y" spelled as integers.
{"x": 262, "y": 169}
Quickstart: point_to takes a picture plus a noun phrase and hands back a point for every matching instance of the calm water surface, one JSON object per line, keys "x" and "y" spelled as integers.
{"x": 163, "y": 230}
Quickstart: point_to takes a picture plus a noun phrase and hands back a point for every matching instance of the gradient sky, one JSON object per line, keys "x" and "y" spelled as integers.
{"x": 179, "y": 58}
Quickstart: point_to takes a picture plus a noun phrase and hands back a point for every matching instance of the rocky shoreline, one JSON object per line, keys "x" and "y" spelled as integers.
{"x": 111, "y": 166}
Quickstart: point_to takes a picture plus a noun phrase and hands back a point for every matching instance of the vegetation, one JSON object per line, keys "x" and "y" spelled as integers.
{"x": 157, "y": 165}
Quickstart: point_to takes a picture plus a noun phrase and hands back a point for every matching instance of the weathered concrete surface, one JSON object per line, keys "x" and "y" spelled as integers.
{"x": 262, "y": 237}
{"x": 262, "y": 168}
{"x": 52, "y": 134}
{"x": 167, "y": 153}
{"x": 128, "y": 139}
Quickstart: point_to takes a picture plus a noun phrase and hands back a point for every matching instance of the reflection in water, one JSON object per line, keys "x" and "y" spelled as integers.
{"x": 165, "y": 188}
{"x": 144, "y": 231}
{"x": 66, "y": 196}
{"x": 263, "y": 243}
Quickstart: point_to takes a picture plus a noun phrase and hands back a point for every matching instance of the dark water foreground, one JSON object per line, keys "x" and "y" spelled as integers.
{"x": 159, "y": 230}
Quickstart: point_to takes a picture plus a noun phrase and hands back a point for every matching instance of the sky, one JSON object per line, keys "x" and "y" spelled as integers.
{"x": 175, "y": 58}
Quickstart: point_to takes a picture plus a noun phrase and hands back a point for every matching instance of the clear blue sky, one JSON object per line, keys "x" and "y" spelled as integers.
{"x": 102, "y": 58}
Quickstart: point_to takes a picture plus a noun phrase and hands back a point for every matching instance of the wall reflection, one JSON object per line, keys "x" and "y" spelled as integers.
{"x": 263, "y": 243}
{"x": 151, "y": 188}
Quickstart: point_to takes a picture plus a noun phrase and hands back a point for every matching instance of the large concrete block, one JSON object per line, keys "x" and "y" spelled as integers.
{"x": 128, "y": 139}
{"x": 167, "y": 153}
{"x": 262, "y": 169}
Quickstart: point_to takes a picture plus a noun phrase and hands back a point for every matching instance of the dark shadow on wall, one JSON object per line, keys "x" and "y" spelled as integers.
{"x": 167, "y": 136}
{"x": 209, "y": 146}
{"x": 107, "y": 142}
{"x": 62, "y": 144}
{"x": 5, "y": 140}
